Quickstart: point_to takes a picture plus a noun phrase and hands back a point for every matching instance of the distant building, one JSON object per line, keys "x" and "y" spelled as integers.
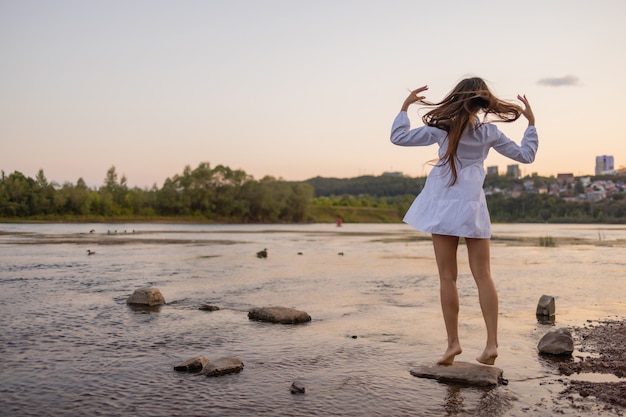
{"x": 517, "y": 190}
{"x": 393, "y": 174}
{"x": 596, "y": 195}
{"x": 492, "y": 170}
{"x": 529, "y": 184}
{"x": 513, "y": 171}
{"x": 565, "y": 179}
{"x": 604, "y": 163}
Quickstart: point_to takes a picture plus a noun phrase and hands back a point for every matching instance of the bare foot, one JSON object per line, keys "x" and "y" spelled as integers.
{"x": 488, "y": 357}
{"x": 448, "y": 357}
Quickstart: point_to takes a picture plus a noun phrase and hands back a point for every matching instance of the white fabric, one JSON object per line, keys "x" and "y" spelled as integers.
{"x": 460, "y": 209}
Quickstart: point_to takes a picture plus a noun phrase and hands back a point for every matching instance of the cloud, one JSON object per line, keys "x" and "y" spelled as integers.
{"x": 559, "y": 81}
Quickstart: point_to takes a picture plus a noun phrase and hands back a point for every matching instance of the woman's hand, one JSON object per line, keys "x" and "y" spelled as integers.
{"x": 414, "y": 97}
{"x": 527, "y": 111}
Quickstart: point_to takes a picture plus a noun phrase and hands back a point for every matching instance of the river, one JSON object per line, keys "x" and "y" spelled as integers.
{"x": 71, "y": 346}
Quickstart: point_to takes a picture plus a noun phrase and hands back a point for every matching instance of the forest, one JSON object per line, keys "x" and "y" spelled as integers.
{"x": 222, "y": 195}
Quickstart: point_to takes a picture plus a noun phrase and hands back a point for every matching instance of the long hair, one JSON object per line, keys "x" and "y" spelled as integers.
{"x": 457, "y": 112}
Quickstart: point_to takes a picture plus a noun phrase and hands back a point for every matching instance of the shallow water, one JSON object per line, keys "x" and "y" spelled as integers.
{"x": 71, "y": 346}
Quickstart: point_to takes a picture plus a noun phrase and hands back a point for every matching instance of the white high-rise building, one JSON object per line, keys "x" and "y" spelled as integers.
{"x": 604, "y": 163}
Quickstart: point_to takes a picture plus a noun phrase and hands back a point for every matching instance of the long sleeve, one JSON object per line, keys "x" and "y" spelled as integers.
{"x": 403, "y": 135}
{"x": 524, "y": 153}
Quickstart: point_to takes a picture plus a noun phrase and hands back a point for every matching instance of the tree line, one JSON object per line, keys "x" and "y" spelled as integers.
{"x": 220, "y": 194}
{"x": 215, "y": 194}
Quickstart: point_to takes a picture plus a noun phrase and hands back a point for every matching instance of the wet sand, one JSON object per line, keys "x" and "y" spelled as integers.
{"x": 603, "y": 345}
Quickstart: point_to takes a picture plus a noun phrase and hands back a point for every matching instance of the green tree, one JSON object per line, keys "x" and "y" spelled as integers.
{"x": 299, "y": 202}
{"x": 18, "y": 194}
{"x": 168, "y": 201}
{"x": 44, "y": 194}
{"x": 228, "y": 186}
{"x": 113, "y": 194}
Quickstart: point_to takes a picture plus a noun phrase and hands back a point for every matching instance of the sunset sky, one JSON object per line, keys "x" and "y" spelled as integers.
{"x": 294, "y": 89}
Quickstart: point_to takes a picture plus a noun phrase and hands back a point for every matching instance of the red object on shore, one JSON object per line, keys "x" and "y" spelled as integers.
{"x": 339, "y": 222}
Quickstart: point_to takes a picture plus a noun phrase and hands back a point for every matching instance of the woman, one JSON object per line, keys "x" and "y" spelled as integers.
{"x": 452, "y": 203}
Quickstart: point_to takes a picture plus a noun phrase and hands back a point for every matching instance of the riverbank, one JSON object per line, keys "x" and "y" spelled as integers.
{"x": 123, "y": 232}
{"x": 315, "y": 214}
{"x": 318, "y": 214}
{"x": 601, "y": 352}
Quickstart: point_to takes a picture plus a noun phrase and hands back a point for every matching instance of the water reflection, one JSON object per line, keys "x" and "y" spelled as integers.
{"x": 461, "y": 400}
{"x": 546, "y": 320}
{"x": 453, "y": 402}
{"x": 144, "y": 308}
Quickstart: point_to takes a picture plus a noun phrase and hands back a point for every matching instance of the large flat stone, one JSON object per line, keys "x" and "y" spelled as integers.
{"x": 461, "y": 372}
{"x": 283, "y": 315}
{"x": 222, "y": 366}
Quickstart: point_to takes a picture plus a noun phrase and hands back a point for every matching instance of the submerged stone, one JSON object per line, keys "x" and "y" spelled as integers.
{"x": 461, "y": 372}
{"x": 192, "y": 365}
{"x": 208, "y": 307}
{"x": 222, "y": 366}
{"x": 282, "y": 315}
{"x": 146, "y": 296}
{"x": 297, "y": 387}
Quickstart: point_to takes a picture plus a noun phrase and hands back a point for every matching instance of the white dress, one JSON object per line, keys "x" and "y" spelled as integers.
{"x": 460, "y": 209}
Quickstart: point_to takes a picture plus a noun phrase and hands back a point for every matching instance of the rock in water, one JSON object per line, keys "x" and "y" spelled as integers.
{"x": 461, "y": 372}
{"x": 222, "y": 366}
{"x": 192, "y": 365}
{"x": 297, "y": 388}
{"x": 546, "y": 306}
{"x": 146, "y": 296}
{"x": 208, "y": 307}
{"x": 282, "y": 315}
{"x": 557, "y": 342}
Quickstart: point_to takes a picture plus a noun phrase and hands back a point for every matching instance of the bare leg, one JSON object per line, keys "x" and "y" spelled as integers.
{"x": 445, "y": 254}
{"x": 479, "y": 260}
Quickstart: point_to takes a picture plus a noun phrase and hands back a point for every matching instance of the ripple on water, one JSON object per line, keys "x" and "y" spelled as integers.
{"x": 69, "y": 342}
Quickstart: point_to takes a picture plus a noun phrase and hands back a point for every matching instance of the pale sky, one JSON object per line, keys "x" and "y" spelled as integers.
{"x": 294, "y": 89}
